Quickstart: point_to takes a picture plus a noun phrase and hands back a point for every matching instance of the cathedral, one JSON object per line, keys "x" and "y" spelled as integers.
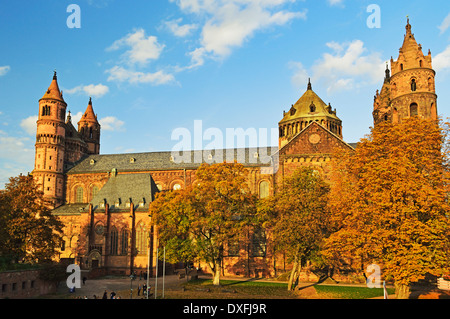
{"x": 103, "y": 200}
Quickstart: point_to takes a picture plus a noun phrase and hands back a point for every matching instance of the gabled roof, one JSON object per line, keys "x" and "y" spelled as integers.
{"x": 299, "y": 135}
{"x": 121, "y": 189}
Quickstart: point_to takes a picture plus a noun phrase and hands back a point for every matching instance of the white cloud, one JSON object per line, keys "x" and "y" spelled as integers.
{"x": 445, "y": 24}
{"x": 442, "y": 60}
{"x": 349, "y": 66}
{"x": 142, "y": 49}
{"x": 335, "y": 2}
{"x": 29, "y": 124}
{"x": 111, "y": 123}
{"x": 76, "y": 118}
{"x": 93, "y": 90}
{"x": 4, "y": 69}
{"x": 229, "y": 24}
{"x": 300, "y": 77}
{"x": 16, "y": 156}
{"x": 180, "y": 30}
{"x": 120, "y": 74}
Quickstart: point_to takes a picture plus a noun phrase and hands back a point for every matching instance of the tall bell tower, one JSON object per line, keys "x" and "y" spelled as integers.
{"x": 50, "y": 145}
{"x": 410, "y": 90}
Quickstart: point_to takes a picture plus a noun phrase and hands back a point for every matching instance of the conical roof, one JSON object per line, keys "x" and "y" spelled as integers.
{"x": 89, "y": 115}
{"x": 53, "y": 91}
{"x": 410, "y": 51}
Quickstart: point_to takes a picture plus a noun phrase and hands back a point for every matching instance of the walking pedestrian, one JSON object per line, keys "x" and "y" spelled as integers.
{"x": 105, "y": 295}
{"x": 139, "y": 290}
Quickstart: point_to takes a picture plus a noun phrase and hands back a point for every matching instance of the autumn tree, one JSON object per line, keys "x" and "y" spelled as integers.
{"x": 297, "y": 218}
{"x": 28, "y": 230}
{"x": 389, "y": 203}
{"x": 197, "y": 222}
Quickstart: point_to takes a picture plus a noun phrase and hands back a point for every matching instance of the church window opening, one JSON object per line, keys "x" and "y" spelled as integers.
{"x": 114, "y": 241}
{"x": 312, "y": 108}
{"x": 401, "y": 66}
{"x": 233, "y": 248}
{"x": 79, "y": 195}
{"x": 176, "y": 187}
{"x": 420, "y": 63}
{"x": 413, "y": 109}
{"x": 94, "y": 191}
{"x": 124, "y": 242}
{"x": 263, "y": 189}
{"x": 258, "y": 243}
{"x": 46, "y": 110}
{"x": 141, "y": 239}
{"x": 413, "y": 85}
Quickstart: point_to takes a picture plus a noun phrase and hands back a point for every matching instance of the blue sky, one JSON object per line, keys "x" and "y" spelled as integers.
{"x": 154, "y": 66}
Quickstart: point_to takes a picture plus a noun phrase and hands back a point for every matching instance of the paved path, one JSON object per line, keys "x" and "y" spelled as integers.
{"x": 117, "y": 284}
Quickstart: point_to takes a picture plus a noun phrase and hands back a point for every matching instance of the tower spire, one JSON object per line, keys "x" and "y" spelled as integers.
{"x": 309, "y": 84}
{"x": 408, "y": 26}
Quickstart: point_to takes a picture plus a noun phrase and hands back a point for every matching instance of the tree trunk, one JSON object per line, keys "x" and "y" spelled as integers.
{"x": 294, "y": 274}
{"x": 216, "y": 273}
{"x": 402, "y": 291}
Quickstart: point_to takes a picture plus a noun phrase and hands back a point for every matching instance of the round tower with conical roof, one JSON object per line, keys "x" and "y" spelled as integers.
{"x": 89, "y": 129}
{"x": 50, "y": 144}
{"x": 410, "y": 90}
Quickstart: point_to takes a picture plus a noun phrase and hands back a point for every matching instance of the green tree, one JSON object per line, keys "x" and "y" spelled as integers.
{"x": 198, "y": 221}
{"x": 297, "y": 218}
{"x": 389, "y": 203}
{"x": 29, "y": 232}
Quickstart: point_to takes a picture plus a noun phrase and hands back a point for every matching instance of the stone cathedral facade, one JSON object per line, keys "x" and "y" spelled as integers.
{"x": 103, "y": 200}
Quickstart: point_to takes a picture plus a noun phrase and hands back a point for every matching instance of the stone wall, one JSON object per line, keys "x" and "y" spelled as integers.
{"x": 23, "y": 284}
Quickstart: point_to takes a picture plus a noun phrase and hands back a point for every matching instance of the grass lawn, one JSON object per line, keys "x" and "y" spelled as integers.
{"x": 349, "y": 292}
{"x": 232, "y": 289}
{"x": 251, "y": 289}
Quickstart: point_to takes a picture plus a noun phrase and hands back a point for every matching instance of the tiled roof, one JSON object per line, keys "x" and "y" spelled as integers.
{"x": 122, "y": 189}
{"x": 166, "y": 161}
{"x": 118, "y": 192}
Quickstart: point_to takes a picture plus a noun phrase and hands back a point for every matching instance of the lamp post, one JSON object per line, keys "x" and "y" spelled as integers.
{"x": 131, "y": 286}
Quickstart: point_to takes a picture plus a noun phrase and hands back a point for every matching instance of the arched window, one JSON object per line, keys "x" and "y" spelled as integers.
{"x": 114, "y": 241}
{"x": 258, "y": 243}
{"x": 263, "y": 189}
{"x": 79, "y": 195}
{"x": 401, "y": 66}
{"x": 413, "y": 85}
{"x": 312, "y": 108}
{"x": 94, "y": 191}
{"x": 124, "y": 242}
{"x": 420, "y": 63}
{"x": 141, "y": 238}
{"x": 413, "y": 109}
{"x": 46, "y": 110}
{"x": 176, "y": 187}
